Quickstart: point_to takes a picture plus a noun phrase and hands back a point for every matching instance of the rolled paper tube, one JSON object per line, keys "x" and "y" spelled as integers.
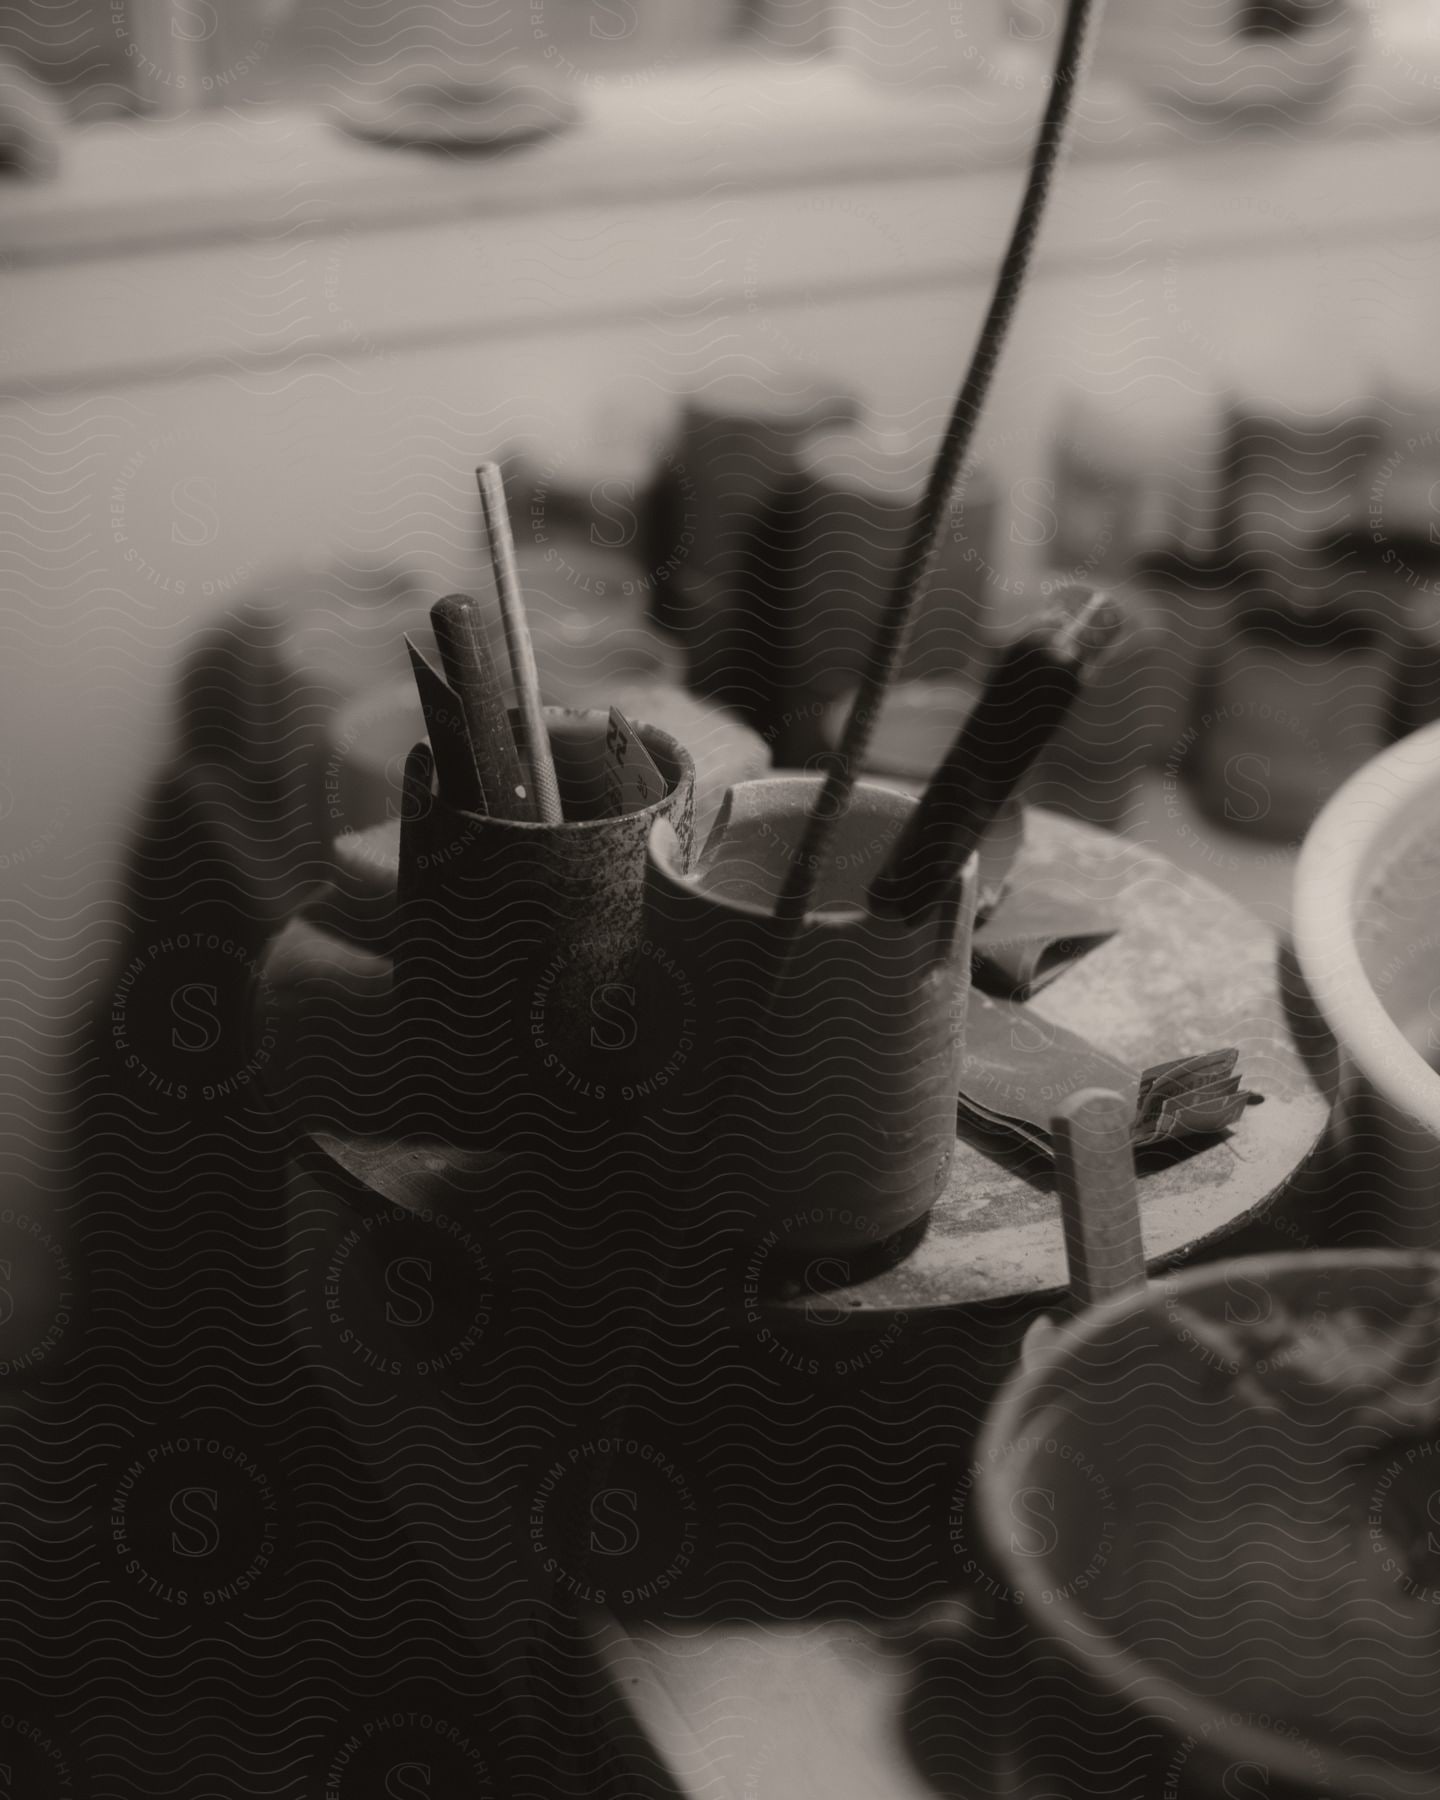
{"x": 827, "y": 1120}
{"x": 519, "y": 955}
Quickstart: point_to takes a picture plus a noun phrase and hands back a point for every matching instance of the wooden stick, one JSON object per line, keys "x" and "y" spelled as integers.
{"x": 535, "y": 751}
{"x": 449, "y": 738}
{"x": 472, "y": 673}
{"x": 1029, "y": 693}
{"x": 1095, "y": 1176}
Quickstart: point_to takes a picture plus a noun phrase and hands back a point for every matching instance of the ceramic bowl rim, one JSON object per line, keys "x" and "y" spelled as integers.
{"x": 1344, "y": 846}
{"x": 1122, "y": 1672}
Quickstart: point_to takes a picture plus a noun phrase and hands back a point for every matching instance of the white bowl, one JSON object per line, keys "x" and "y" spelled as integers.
{"x": 1367, "y": 937}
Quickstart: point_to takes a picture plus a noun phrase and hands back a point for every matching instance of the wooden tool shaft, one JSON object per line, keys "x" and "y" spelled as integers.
{"x": 449, "y": 736}
{"x": 1026, "y": 699}
{"x": 536, "y": 749}
{"x": 1100, "y": 1211}
{"x": 1023, "y": 705}
{"x": 475, "y": 677}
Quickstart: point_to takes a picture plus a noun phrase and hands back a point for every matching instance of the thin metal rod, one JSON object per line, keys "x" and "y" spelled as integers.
{"x": 889, "y": 641}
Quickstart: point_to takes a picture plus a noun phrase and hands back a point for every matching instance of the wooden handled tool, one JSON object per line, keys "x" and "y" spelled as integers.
{"x": 1095, "y": 1176}
{"x": 535, "y": 750}
{"x": 449, "y": 737}
{"x": 419, "y": 773}
{"x": 1030, "y": 690}
{"x": 472, "y": 673}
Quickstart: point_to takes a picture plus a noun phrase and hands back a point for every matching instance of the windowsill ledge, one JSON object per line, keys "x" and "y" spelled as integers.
{"x": 254, "y": 242}
{"x": 745, "y": 124}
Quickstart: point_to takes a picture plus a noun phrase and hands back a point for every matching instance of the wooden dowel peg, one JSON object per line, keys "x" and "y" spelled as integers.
{"x": 1099, "y": 1207}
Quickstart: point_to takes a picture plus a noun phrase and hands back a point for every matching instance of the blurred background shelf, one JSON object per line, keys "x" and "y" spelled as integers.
{"x": 741, "y": 184}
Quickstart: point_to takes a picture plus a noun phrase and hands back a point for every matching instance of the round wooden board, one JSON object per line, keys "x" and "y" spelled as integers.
{"x": 1188, "y": 970}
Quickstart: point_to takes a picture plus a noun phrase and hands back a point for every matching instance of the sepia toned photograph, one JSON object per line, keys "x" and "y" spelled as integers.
{"x": 720, "y": 874}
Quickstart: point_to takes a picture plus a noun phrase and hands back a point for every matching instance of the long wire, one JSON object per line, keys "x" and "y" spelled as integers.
{"x": 833, "y": 801}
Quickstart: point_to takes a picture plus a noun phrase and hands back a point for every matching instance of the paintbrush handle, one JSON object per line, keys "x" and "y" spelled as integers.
{"x": 535, "y": 750}
{"x": 1023, "y": 704}
{"x": 472, "y": 673}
